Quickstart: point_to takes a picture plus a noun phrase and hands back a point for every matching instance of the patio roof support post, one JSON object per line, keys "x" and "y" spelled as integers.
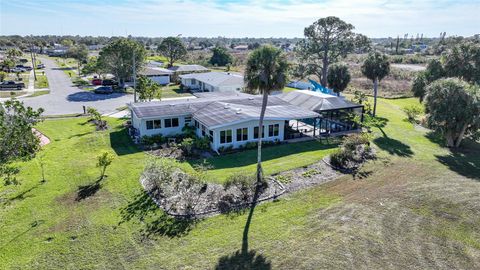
{"x": 314, "y": 126}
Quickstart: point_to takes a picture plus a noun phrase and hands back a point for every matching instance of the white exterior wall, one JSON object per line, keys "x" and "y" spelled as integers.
{"x": 250, "y": 125}
{"x": 166, "y": 132}
{"x": 162, "y": 80}
{"x": 209, "y": 88}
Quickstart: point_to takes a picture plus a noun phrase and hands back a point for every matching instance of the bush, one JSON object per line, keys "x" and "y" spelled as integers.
{"x": 244, "y": 183}
{"x": 354, "y": 150}
{"x": 154, "y": 139}
{"x": 202, "y": 143}
{"x": 187, "y": 145}
{"x": 413, "y": 111}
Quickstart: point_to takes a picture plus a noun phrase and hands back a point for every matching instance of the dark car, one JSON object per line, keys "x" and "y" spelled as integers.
{"x": 103, "y": 90}
{"x": 40, "y": 66}
{"x": 109, "y": 82}
{"x": 12, "y": 85}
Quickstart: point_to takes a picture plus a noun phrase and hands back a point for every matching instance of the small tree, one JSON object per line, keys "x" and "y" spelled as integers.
{"x": 220, "y": 57}
{"x": 375, "y": 67}
{"x": 173, "y": 49}
{"x": 338, "y": 77}
{"x": 93, "y": 66}
{"x": 3, "y": 75}
{"x": 434, "y": 71}
{"x": 17, "y": 141}
{"x": 79, "y": 53}
{"x": 147, "y": 89}
{"x": 412, "y": 111}
{"x": 453, "y": 109}
{"x": 103, "y": 161}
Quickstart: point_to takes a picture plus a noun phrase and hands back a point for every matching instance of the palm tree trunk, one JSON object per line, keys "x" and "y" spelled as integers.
{"x": 260, "y": 135}
{"x": 375, "y": 87}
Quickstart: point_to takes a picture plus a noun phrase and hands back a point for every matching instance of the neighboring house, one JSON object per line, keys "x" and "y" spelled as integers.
{"x": 151, "y": 63}
{"x": 213, "y": 81}
{"x": 241, "y": 48}
{"x": 226, "y": 121}
{"x": 156, "y": 74}
{"x": 186, "y": 69}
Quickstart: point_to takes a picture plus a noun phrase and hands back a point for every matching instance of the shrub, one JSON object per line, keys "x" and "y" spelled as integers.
{"x": 250, "y": 145}
{"x": 412, "y": 111}
{"x": 202, "y": 143}
{"x": 154, "y": 139}
{"x": 354, "y": 150}
{"x": 244, "y": 183}
{"x": 310, "y": 173}
{"x": 187, "y": 145}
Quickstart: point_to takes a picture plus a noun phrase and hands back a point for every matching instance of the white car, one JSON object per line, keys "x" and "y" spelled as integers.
{"x": 17, "y": 69}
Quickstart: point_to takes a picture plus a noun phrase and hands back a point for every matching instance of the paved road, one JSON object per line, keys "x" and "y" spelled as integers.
{"x": 64, "y": 98}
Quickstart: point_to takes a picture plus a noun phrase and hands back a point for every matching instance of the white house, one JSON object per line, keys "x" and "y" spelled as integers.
{"x": 228, "y": 121}
{"x": 157, "y": 74}
{"x": 213, "y": 81}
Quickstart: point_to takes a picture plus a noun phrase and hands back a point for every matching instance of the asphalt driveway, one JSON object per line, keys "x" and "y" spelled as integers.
{"x": 65, "y": 98}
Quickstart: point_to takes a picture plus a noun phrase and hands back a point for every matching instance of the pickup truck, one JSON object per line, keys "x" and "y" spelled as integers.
{"x": 12, "y": 85}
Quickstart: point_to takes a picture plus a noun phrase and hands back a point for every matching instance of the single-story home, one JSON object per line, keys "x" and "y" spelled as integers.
{"x": 157, "y": 74}
{"x": 228, "y": 121}
{"x": 185, "y": 69}
{"x": 241, "y": 48}
{"x": 213, "y": 81}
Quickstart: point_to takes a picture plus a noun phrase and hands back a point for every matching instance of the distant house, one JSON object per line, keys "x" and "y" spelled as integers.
{"x": 241, "y": 48}
{"x": 156, "y": 74}
{"x": 212, "y": 81}
{"x": 185, "y": 69}
{"x": 151, "y": 63}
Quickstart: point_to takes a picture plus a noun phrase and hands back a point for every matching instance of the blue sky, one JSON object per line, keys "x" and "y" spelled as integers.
{"x": 235, "y": 18}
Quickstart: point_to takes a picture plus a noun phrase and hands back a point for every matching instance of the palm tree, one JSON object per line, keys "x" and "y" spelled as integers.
{"x": 266, "y": 71}
{"x": 375, "y": 67}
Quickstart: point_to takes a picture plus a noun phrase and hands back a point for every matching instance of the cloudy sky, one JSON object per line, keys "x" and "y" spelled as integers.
{"x": 234, "y": 18}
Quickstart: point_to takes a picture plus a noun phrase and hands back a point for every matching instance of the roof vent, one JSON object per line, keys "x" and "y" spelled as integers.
{"x": 239, "y": 111}
{"x": 227, "y": 106}
{"x": 171, "y": 104}
{"x": 250, "y": 98}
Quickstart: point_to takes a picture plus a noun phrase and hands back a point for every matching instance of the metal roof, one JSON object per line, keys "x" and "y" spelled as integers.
{"x": 316, "y": 101}
{"x": 215, "y": 112}
{"x": 188, "y": 68}
{"x": 216, "y": 78}
{"x": 155, "y": 71}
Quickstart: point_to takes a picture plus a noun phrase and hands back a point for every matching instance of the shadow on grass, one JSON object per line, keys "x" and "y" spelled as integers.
{"x": 245, "y": 258}
{"x": 88, "y": 190}
{"x": 249, "y": 157}
{"x": 32, "y": 225}
{"x": 121, "y": 143}
{"x": 22, "y": 195}
{"x": 464, "y": 161}
{"x": 393, "y": 147}
{"x": 155, "y": 221}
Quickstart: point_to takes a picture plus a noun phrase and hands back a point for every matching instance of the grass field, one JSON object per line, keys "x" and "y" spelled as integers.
{"x": 416, "y": 207}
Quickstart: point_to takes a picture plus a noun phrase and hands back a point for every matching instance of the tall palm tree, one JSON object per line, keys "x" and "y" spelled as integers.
{"x": 266, "y": 71}
{"x": 375, "y": 67}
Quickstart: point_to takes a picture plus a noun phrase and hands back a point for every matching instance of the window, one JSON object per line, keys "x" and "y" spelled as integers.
{"x": 196, "y": 123}
{"x": 210, "y": 136}
{"x": 242, "y": 134}
{"x": 255, "y": 132}
{"x": 171, "y": 122}
{"x": 194, "y": 81}
{"x": 203, "y": 130}
{"x": 188, "y": 120}
{"x": 157, "y": 124}
{"x": 273, "y": 130}
{"x": 226, "y": 136}
{"x": 149, "y": 124}
{"x": 154, "y": 124}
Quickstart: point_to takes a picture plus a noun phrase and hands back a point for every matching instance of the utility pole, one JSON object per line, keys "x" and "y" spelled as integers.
{"x": 134, "y": 79}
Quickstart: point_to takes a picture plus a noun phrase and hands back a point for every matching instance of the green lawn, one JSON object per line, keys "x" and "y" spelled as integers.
{"x": 173, "y": 91}
{"x": 41, "y": 82}
{"x": 40, "y": 93}
{"x": 416, "y": 207}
